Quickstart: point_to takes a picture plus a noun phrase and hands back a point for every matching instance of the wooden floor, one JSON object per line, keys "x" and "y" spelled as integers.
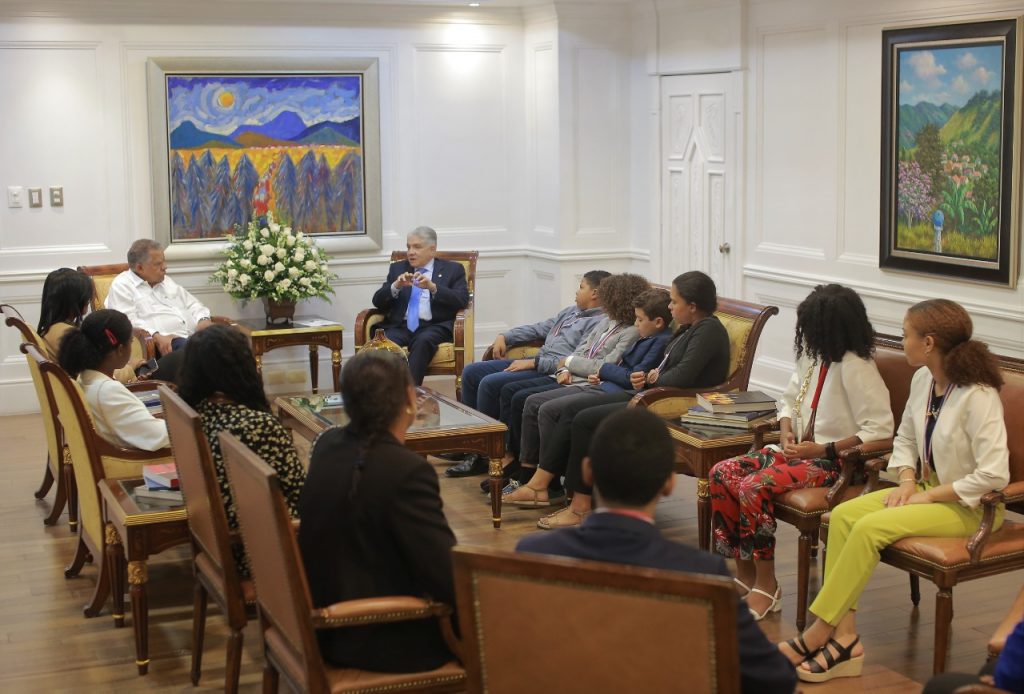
{"x": 46, "y": 645}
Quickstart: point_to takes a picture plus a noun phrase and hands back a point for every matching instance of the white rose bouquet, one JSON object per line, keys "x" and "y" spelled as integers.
{"x": 272, "y": 262}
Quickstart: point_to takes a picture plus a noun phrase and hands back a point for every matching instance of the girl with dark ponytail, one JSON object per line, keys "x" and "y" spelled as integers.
{"x": 949, "y": 452}
{"x": 92, "y": 353}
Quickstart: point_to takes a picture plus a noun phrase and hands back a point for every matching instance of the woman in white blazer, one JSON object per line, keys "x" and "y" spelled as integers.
{"x": 92, "y": 352}
{"x": 950, "y": 450}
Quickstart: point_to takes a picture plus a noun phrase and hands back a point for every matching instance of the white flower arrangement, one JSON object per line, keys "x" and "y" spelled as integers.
{"x": 273, "y": 262}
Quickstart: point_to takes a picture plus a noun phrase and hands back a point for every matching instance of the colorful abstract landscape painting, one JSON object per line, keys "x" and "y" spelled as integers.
{"x": 244, "y": 145}
{"x": 949, "y": 142}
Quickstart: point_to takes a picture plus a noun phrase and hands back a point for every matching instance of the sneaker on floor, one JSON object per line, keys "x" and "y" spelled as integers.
{"x": 472, "y": 465}
{"x": 511, "y": 487}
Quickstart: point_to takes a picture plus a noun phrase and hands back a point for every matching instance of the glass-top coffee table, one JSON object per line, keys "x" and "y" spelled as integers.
{"x": 442, "y": 425}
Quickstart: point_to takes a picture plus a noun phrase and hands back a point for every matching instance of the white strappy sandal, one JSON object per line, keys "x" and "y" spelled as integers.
{"x": 775, "y": 606}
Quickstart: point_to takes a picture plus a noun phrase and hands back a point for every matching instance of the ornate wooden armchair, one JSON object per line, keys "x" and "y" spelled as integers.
{"x": 102, "y": 276}
{"x": 94, "y": 459}
{"x": 56, "y": 469}
{"x": 287, "y": 618}
{"x": 214, "y": 563}
{"x": 506, "y": 641}
{"x": 803, "y": 508}
{"x": 451, "y": 357}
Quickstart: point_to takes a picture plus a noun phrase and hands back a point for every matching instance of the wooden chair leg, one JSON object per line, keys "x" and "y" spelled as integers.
{"x": 100, "y": 594}
{"x": 44, "y": 488}
{"x": 72, "y": 492}
{"x": 915, "y": 589}
{"x": 814, "y": 546}
{"x": 270, "y": 679}
{"x": 943, "y": 620}
{"x": 803, "y": 570}
{"x": 234, "y": 663}
{"x": 198, "y": 630}
{"x": 81, "y": 553}
{"x": 60, "y": 499}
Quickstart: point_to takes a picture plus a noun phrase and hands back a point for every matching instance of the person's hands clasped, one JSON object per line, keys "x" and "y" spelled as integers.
{"x": 163, "y": 343}
{"x": 520, "y": 365}
{"x": 404, "y": 280}
{"x": 423, "y": 282}
{"x": 593, "y": 379}
{"x": 563, "y": 378}
{"x": 637, "y": 379}
{"x": 805, "y": 450}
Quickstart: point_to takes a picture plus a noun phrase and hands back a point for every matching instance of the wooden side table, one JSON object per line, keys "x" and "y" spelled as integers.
{"x": 698, "y": 448}
{"x": 313, "y": 331}
{"x": 136, "y": 529}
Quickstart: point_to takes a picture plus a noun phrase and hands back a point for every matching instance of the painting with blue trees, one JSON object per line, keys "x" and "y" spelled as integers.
{"x": 241, "y": 146}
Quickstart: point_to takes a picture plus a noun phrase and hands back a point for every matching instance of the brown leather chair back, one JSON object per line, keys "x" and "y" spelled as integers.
{"x": 1012, "y": 395}
{"x": 896, "y": 373}
{"x": 282, "y": 590}
{"x": 673, "y": 629}
{"x": 102, "y": 276}
{"x": 207, "y": 519}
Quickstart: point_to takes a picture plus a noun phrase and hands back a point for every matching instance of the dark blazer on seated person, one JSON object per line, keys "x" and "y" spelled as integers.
{"x": 645, "y": 354}
{"x": 451, "y": 296}
{"x": 613, "y": 537}
{"x": 388, "y": 536}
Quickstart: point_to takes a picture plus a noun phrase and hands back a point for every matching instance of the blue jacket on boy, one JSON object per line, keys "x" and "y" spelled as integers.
{"x": 645, "y": 354}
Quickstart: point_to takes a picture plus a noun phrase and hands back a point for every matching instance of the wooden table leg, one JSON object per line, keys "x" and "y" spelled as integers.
{"x": 137, "y": 577}
{"x": 336, "y": 368}
{"x": 259, "y": 363}
{"x": 494, "y": 472}
{"x": 314, "y": 368}
{"x": 703, "y": 514}
{"x": 115, "y": 565}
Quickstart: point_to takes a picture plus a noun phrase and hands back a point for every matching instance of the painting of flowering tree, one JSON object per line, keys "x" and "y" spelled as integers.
{"x": 949, "y": 146}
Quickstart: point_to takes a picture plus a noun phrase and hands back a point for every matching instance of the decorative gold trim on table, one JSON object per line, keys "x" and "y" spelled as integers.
{"x": 741, "y": 437}
{"x": 151, "y": 517}
{"x": 703, "y": 487}
{"x": 111, "y": 536}
{"x": 294, "y": 330}
{"x": 142, "y": 662}
{"x": 137, "y": 573}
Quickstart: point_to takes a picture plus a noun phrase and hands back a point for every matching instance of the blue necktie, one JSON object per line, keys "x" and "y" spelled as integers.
{"x": 412, "y": 314}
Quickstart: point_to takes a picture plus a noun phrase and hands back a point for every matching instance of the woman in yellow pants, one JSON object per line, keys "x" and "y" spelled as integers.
{"x": 949, "y": 452}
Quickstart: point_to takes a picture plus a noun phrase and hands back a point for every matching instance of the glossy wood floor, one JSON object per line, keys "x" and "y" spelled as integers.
{"x": 46, "y": 645}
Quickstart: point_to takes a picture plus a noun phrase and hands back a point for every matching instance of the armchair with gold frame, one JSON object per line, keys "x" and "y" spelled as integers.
{"x": 288, "y": 620}
{"x": 94, "y": 459}
{"x": 451, "y": 357}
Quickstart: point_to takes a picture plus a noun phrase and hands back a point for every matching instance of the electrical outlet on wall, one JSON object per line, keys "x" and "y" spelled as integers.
{"x": 57, "y": 196}
{"x": 15, "y": 196}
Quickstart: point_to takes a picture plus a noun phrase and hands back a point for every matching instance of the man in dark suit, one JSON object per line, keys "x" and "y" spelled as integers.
{"x": 630, "y": 466}
{"x": 421, "y": 296}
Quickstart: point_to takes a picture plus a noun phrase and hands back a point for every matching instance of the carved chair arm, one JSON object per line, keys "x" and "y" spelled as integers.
{"x": 526, "y": 348}
{"x": 669, "y": 403}
{"x": 377, "y": 611}
{"x": 760, "y": 431}
{"x": 872, "y": 468}
{"x": 142, "y": 386}
{"x": 854, "y": 461}
{"x": 360, "y": 327}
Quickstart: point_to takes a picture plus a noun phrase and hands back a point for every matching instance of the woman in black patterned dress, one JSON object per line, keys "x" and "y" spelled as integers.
{"x": 219, "y": 381}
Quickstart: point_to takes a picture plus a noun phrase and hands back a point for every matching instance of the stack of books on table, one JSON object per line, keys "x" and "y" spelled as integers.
{"x": 151, "y": 399}
{"x": 745, "y": 410}
{"x": 161, "y": 484}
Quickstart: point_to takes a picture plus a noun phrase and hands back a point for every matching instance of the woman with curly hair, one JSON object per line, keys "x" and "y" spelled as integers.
{"x": 950, "y": 451}
{"x": 835, "y": 399}
{"x": 604, "y": 344}
{"x": 220, "y": 382}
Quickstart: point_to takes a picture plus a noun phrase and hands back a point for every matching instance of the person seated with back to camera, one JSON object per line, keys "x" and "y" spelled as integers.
{"x": 156, "y": 303}
{"x": 482, "y": 380}
{"x": 541, "y": 417}
{"x": 631, "y": 464}
{"x": 65, "y": 301}
{"x": 91, "y": 353}
{"x": 421, "y": 297}
{"x": 949, "y": 452}
{"x": 836, "y": 399}
{"x": 219, "y": 381}
{"x": 604, "y": 344}
{"x": 373, "y": 523}
{"x": 696, "y": 356}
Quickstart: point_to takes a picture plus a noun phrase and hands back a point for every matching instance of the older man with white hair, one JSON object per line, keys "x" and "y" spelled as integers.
{"x": 421, "y": 296}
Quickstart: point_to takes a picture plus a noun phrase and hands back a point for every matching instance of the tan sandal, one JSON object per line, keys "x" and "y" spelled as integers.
{"x": 554, "y": 521}
{"x": 535, "y": 502}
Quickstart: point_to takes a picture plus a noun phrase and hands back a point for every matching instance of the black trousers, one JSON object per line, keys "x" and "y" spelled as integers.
{"x": 513, "y": 401}
{"x": 422, "y": 345}
{"x": 582, "y": 429}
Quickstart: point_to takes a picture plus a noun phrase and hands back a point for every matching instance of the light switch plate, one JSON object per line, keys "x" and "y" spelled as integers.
{"x": 35, "y": 197}
{"x": 15, "y": 196}
{"x": 56, "y": 196}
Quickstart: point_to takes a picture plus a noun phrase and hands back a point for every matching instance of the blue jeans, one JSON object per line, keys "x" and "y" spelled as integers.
{"x": 482, "y": 382}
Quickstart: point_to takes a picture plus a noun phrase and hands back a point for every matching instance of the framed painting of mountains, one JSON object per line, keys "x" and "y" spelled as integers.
{"x": 235, "y": 140}
{"x": 951, "y": 151}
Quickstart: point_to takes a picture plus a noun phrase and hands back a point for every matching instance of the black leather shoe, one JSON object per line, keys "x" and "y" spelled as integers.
{"x": 452, "y": 457}
{"x": 473, "y": 464}
{"x": 507, "y": 473}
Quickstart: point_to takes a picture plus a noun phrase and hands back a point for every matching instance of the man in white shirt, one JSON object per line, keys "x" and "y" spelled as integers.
{"x": 421, "y": 296}
{"x": 154, "y": 302}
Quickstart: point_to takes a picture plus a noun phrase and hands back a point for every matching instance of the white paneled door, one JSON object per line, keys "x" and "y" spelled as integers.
{"x": 699, "y": 129}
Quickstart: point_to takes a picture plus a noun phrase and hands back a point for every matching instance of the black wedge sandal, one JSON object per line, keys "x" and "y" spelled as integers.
{"x": 799, "y": 646}
{"x": 845, "y": 665}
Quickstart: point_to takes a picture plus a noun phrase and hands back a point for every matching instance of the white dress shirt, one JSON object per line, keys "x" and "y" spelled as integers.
{"x": 428, "y": 271}
{"x": 854, "y": 400}
{"x": 167, "y": 308}
{"x": 119, "y": 416}
{"x": 968, "y": 442}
